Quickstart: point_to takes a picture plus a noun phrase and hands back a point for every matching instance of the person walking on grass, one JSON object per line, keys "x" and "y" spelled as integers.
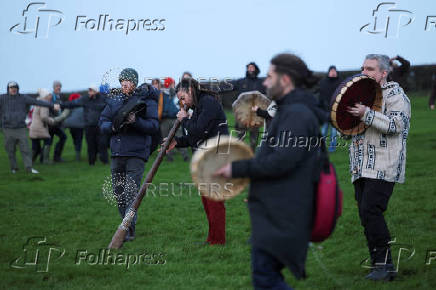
{"x": 13, "y": 111}
{"x": 38, "y": 131}
{"x": 75, "y": 122}
{"x": 56, "y": 129}
{"x": 93, "y": 104}
{"x": 282, "y": 177}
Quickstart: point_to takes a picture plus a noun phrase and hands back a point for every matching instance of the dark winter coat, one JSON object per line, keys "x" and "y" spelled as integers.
{"x": 327, "y": 87}
{"x": 135, "y": 140}
{"x": 248, "y": 84}
{"x": 208, "y": 120}
{"x": 92, "y": 108}
{"x": 283, "y": 177}
{"x": 14, "y": 109}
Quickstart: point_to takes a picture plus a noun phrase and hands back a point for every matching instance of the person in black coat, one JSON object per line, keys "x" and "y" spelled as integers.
{"x": 93, "y": 104}
{"x": 282, "y": 174}
{"x": 131, "y": 143}
{"x": 327, "y": 87}
{"x": 207, "y": 120}
{"x": 251, "y": 82}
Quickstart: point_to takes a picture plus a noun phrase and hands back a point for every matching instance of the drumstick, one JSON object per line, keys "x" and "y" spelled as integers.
{"x": 120, "y": 234}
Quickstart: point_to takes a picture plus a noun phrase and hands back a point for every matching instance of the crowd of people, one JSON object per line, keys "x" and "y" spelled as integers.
{"x": 281, "y": 194}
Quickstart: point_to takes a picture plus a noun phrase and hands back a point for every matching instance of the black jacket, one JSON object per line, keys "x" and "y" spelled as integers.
{"x": 283, "y": 177}
{"x": 399, "y": 73}
{"x": 327, "y": 87}
{"x": 92, "y": 108}
{"x": 136, "y": 139}
{"x": 248, "y": 84}
{"x": 208, "y": 120}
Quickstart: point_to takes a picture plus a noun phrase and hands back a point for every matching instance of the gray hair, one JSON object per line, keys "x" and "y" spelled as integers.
{"x": 382, "y": 60}
{"x": 56, "y": 83}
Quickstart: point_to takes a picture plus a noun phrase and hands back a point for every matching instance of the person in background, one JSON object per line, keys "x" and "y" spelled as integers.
{"x": 169, "y": 103}
{"x": 38, "y": 131}
{"x": 75, "y": 122}
{"x": 105, "y": 92}
{"x": 13, "y": 110}
{"x": 327, "y": 87}
{"x": 168, "y": 112}
{"x": 186, "y": 74}
{"x": 93, "y": 104}
{"x": 251, "y": 82}
{"x": 56, "y": 129}
{"x": 399, "y": 71}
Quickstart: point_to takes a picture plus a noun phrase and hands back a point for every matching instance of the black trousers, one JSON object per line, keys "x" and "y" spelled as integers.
{"x": 37, "y": 149}
{"x": 60, "y": 144}
{"x": 77, "y": 134}
{"x": 96, "y": 144}
{"x": 266, "y": 271}
{"x": 372, "y": 196}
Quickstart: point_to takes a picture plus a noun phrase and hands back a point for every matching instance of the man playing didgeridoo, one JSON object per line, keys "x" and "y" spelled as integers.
{"x": 207, "y": 120}
{"x": 282, "y": 177}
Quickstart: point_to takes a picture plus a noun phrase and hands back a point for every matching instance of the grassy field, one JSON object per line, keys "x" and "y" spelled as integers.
{"x": 65, "y": 205}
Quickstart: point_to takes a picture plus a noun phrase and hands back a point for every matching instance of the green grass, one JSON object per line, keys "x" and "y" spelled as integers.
{"x": 65, "y": 204}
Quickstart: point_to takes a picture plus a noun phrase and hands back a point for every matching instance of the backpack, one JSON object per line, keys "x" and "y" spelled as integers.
{"x": 328, "y": 199}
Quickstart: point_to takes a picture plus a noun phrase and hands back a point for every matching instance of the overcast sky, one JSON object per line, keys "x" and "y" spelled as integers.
{"x": 212, "y": 39}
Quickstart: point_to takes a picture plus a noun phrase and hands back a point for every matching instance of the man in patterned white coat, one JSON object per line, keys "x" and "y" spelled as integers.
{"x": 377, "y": 162}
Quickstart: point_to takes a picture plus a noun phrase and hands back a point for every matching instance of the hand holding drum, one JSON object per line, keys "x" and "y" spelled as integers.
{"x": 245, "y": 108}
{"x": 351, "y": 100}
{"x": 212, "y": 155}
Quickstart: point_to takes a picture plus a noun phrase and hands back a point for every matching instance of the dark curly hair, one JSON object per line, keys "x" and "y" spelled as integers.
{"x": 196, "y": 87}
{"x": 295, "y": 68}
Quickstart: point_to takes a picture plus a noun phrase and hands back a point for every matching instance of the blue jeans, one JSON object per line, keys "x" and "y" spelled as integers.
{"x": 266, "y": 271}
{"x": 333, "y": 133}
{"x": 126, "y": 180}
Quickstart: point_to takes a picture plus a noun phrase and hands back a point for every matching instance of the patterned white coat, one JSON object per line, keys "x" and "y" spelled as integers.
{"x": 380, "y": 151}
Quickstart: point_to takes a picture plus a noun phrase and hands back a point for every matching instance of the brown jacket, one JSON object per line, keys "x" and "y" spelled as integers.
{"x": 40, "y": 122}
